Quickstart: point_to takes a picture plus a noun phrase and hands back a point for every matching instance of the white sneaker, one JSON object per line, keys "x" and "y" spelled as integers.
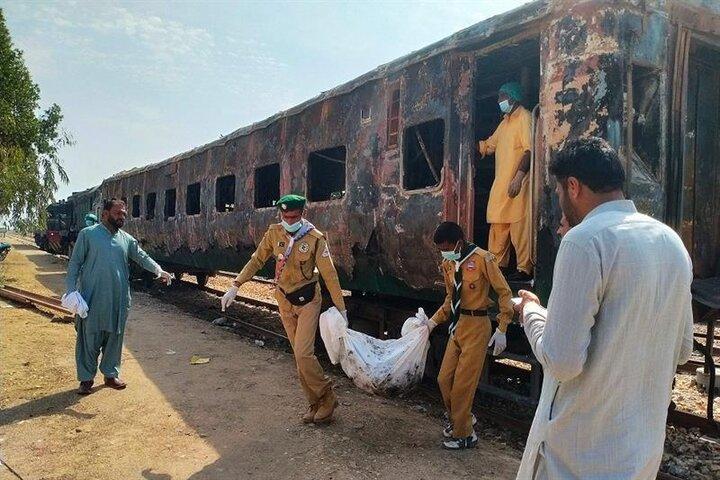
{"x": 461, "y": 443}
{"x": 448, "y": 430}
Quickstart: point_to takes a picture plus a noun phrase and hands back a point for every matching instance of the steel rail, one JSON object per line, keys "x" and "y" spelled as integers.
{"x": 35, "y": 299}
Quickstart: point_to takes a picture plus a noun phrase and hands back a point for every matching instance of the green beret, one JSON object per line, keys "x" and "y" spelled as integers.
{"x": 512, "y": 90}
{"x": 291, "y": 202}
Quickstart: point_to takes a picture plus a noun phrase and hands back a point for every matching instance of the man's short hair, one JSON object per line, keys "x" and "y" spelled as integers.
{"x": 592, "y": 161}
{"x": 448, "y": 232}
{"x": 108, "y": 204}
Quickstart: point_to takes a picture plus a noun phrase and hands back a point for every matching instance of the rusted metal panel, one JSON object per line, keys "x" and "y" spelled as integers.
{"x": 606, "y": 68}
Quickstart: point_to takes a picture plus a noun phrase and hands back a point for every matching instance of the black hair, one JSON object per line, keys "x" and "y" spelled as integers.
{"x": 449, "y": 232}
{"x": 108, "y": 204}
{"x": 592, "y": 161}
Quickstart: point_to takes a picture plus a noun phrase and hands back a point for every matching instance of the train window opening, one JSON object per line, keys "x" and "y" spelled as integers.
{"x": 326, "y": 174}
{"x": 170, "y": 202}
{"x": 136, "y": 206}
{"x": 647, "y": 138}
{"x": 365, "y": 114}
{"x": 192, "y": 199}
{"x": 267, "y": 185}
{"x": 393, "y": 128}
{"x": 424, "y": 153}
{"x": 225, "y": 193}
{"x": 150, "y": 205}
{"x": 515, "y": 63}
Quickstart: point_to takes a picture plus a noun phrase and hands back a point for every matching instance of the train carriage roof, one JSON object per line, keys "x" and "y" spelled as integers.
{"x": 493, "y": 26}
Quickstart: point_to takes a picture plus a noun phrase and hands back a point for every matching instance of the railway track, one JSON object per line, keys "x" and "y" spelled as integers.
{"x": 518, "y": 425}
{"x": 35, "y": 299}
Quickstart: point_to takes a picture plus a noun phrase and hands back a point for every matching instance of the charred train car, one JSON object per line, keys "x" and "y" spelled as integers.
{"x": 385, "y": 157}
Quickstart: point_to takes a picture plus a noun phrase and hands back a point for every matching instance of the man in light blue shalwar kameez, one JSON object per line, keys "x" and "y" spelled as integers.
{"x": 99, "y": 271}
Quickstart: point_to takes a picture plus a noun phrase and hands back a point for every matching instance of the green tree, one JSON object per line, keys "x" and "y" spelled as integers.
{"x": 30, "y": 141}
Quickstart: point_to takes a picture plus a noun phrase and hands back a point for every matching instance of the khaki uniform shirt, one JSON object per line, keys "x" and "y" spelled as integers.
{"x": 480, "y": 272}
{"x": 509, "y": 143}
{"x": 309, "y": 258}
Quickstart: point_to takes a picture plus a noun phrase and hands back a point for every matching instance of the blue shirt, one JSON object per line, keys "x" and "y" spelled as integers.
{"x": 99, "y": 269}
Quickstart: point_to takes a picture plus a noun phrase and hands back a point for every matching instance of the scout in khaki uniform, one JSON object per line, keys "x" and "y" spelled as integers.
{"x": 508, "y": 205}
{"x": 469, "y": 272}
{"x": 300, "y": 251}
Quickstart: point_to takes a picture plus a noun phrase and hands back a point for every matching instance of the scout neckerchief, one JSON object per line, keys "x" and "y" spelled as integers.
{"x": 282, "y": 258}
{"x": 465, "y": 252}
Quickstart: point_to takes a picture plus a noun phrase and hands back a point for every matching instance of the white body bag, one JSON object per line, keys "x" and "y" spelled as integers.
{"x": 377, "y": 366}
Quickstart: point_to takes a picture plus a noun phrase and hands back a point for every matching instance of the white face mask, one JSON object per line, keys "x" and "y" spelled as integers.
{"x": 291, "y": 228}
{"x": 505, "y": 106}
{"x": 451, "y": 255}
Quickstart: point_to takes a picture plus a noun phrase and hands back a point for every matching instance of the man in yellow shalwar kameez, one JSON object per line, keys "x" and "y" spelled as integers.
{"x": 508, "y": 205}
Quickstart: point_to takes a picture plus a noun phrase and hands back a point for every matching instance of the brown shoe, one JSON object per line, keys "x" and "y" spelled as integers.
{"x": 326, "y": 408}
{"x": 309, "y": 416}
{"x": 85, "y": 388}
{"x": 115, "y": 383}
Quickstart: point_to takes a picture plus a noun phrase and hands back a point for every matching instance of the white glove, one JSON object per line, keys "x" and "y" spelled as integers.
{"x": 166, "y": 277}
{"x": 424, "y": 320}
{"x": 228, "y": 298}
{"x": 344, "y": 315}
{"x": 500, "y": 341}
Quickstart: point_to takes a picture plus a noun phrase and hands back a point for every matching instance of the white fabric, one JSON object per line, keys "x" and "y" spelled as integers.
{"x": 618, "y": 323}
{"x": 75, "y": 303}
{"x": 500, "y": 341}
{"x": 420, "y": 319}
{"x": 374, "y": 365}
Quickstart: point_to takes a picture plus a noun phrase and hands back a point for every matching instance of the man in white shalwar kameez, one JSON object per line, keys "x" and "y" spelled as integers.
{"x": 618, "y": 323}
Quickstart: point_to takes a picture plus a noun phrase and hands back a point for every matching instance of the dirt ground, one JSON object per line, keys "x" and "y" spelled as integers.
{"x": 235, "y": 417}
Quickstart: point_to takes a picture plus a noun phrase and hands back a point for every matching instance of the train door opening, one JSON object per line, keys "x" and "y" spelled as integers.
{"x": 519, "y": 63}
{"x": 701, "y": 170}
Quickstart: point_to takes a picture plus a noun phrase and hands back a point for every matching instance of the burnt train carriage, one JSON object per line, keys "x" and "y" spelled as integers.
{"x": 87, "y": 201}
{"x": 388, "y": 155}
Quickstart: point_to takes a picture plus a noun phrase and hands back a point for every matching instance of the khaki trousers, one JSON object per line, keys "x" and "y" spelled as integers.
{"x": 502, "y": 235}
{"x": 461, "y": 368}
{"x": 301, "y": 324}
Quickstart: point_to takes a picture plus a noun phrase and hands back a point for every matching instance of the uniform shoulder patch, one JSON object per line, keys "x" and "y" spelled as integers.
{"x": 326, "y": 251}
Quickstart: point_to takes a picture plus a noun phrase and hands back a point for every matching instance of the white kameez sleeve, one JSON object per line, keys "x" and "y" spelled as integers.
{"x": 560, "y": 335}
{"x": 688, "y": 337}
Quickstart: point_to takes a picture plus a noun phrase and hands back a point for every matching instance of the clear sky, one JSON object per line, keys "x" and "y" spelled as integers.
{"x": 139, "y": 82}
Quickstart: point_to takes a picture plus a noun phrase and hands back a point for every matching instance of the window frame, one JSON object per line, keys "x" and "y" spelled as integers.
{"x": 167, "y": 217}
{"x": 255, "y": 184}
{"x": 147, "y": 210}
{"x": 307, "y": 175}
{"x": 234, "y": 192}
{"x": 187, "y": 198}
{"x": 139, "y": 205}
{"x": 431, "y": 189}
{"x": 393, "y": 115}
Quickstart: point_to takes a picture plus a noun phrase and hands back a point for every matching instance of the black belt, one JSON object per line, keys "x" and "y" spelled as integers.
{"x": 473, "y": 313}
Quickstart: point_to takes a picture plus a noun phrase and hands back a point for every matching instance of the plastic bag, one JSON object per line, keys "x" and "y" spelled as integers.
{"x": 377, "y": 366}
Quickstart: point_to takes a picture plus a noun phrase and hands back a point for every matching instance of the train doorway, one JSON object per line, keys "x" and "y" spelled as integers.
{"x": 519, "y": 62}
{"x": 701, "y": 169}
